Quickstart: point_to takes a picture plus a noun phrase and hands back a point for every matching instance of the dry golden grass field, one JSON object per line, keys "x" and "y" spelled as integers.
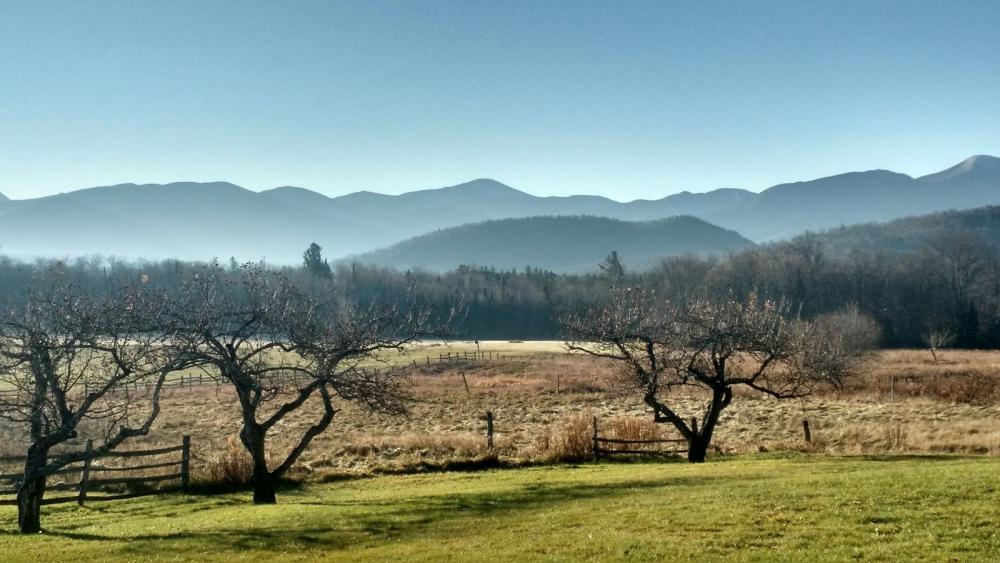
{"x": 951, "y": 405}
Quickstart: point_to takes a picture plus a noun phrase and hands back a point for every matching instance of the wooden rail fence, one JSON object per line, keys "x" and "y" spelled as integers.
{"x": 631, "y": 447}
{"x": 93, "y": 477}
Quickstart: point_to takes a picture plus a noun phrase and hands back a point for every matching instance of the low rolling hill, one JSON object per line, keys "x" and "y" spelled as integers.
{"x": 560, "y": 244}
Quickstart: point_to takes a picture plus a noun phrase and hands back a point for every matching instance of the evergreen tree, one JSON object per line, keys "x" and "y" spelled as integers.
{"x": 315, "y": 264}
{"x": 612, "y": 268}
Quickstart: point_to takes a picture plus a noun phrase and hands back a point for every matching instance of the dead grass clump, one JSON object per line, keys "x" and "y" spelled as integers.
{"x": 632, "y": 428}
{"x": 232, "y": 467}
{"x": 571, "y": 442}
{"x": 439, "y": 442}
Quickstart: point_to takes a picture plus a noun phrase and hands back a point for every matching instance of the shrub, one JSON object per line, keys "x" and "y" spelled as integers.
{"x": 572, "y": 442}
{"x": 631, "y": 428}
{"x": 232, "y": 467}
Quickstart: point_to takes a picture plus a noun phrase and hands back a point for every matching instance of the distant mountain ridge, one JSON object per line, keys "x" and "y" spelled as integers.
{"x": 862, "y": 197}
{"x": 217, "y": 219}
{"x": 572, "y": 244}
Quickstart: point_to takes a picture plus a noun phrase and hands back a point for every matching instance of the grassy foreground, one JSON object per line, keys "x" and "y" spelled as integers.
{"x": 793, "y": 508}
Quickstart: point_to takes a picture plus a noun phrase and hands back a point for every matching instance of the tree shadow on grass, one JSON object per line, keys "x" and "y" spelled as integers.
{"x": 914, "y": 457}
{"x": 355, "y": 523}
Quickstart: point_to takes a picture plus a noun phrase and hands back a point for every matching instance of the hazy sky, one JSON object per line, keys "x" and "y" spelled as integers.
{"x": 624, "y": 99}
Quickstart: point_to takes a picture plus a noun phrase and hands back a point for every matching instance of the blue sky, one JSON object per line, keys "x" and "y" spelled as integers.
{"x": 624, "y": 99}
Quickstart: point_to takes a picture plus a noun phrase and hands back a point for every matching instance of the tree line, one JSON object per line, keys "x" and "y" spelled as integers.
{"x": 946, "y": 289}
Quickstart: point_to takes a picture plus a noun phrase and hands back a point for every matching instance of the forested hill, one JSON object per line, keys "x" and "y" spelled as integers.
{"x": 981, "y": 226}
{"x": 559, "y": 244}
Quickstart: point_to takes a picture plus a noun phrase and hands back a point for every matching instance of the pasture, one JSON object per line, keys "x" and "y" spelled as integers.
{"x": 538, "y": 394}
{"x": 751, "y": 508}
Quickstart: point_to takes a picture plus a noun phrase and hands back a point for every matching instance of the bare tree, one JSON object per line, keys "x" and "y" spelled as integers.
{"x": 279, "y": 348}
{"x": 76, "y": 364}
{"x": 712, "y": 346}
{"x": 936, "y": 339}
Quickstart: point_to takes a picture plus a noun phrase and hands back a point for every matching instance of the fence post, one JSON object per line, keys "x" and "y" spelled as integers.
{"x": 186, "y": 463}
{"x": 85, "y": 474}
{"x": 489, "y": 430}
{"x": 805, "y": 431}
{"x": 558, "y": 376}
{"x": 892, "y": 388}
{"x": 593, "y": 440}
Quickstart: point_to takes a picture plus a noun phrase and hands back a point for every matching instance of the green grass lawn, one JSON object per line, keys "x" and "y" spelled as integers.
{"x": 792, "y": 508}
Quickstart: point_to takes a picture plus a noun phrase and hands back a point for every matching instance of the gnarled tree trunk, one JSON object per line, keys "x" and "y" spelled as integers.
{"x": 700, "y": 439}
{"x": 255, "y": 439}
{"x": 30, "y": 494}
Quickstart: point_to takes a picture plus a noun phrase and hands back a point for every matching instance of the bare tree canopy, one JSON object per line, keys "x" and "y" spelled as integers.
{"x": 71, "y": 363}
{"x": 280, "y": 348}
{"x": 716, "y": 346}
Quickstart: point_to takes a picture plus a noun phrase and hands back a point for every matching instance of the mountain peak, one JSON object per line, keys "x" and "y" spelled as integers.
{"x": 291, "y": 191}
{"x": 484, "y": 185}
{"x": 981, "y": 161}
{"x": 972, "y": 166}
{"x": 479, "y": 189}
{"x": 4, "y": 198}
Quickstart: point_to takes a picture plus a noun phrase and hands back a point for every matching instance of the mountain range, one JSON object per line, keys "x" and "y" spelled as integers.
{"x": 218, "y": 219}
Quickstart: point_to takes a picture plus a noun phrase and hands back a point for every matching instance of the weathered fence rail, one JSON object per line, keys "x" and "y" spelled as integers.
{"x": 92, "y": 475}
{"x": 598, "y": 451}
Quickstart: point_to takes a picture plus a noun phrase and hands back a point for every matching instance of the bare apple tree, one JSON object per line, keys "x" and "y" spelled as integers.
{"x": 73, "y": 364}
{"x": 279, "y": 348}
{"x": 714, "y": 346}
{"x": 937, "y": 339}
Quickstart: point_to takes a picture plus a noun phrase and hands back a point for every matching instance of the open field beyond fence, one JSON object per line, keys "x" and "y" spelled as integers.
{"x": 543, "y": 401}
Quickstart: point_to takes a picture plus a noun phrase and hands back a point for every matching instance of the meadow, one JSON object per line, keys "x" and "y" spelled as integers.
{"x": 542, "y": 397}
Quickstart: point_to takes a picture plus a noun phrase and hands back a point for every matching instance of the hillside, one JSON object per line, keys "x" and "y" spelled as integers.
{"x": 560, "y": 244}
{"x": 221, "y": 219}
{"x": 914, "y": 233}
